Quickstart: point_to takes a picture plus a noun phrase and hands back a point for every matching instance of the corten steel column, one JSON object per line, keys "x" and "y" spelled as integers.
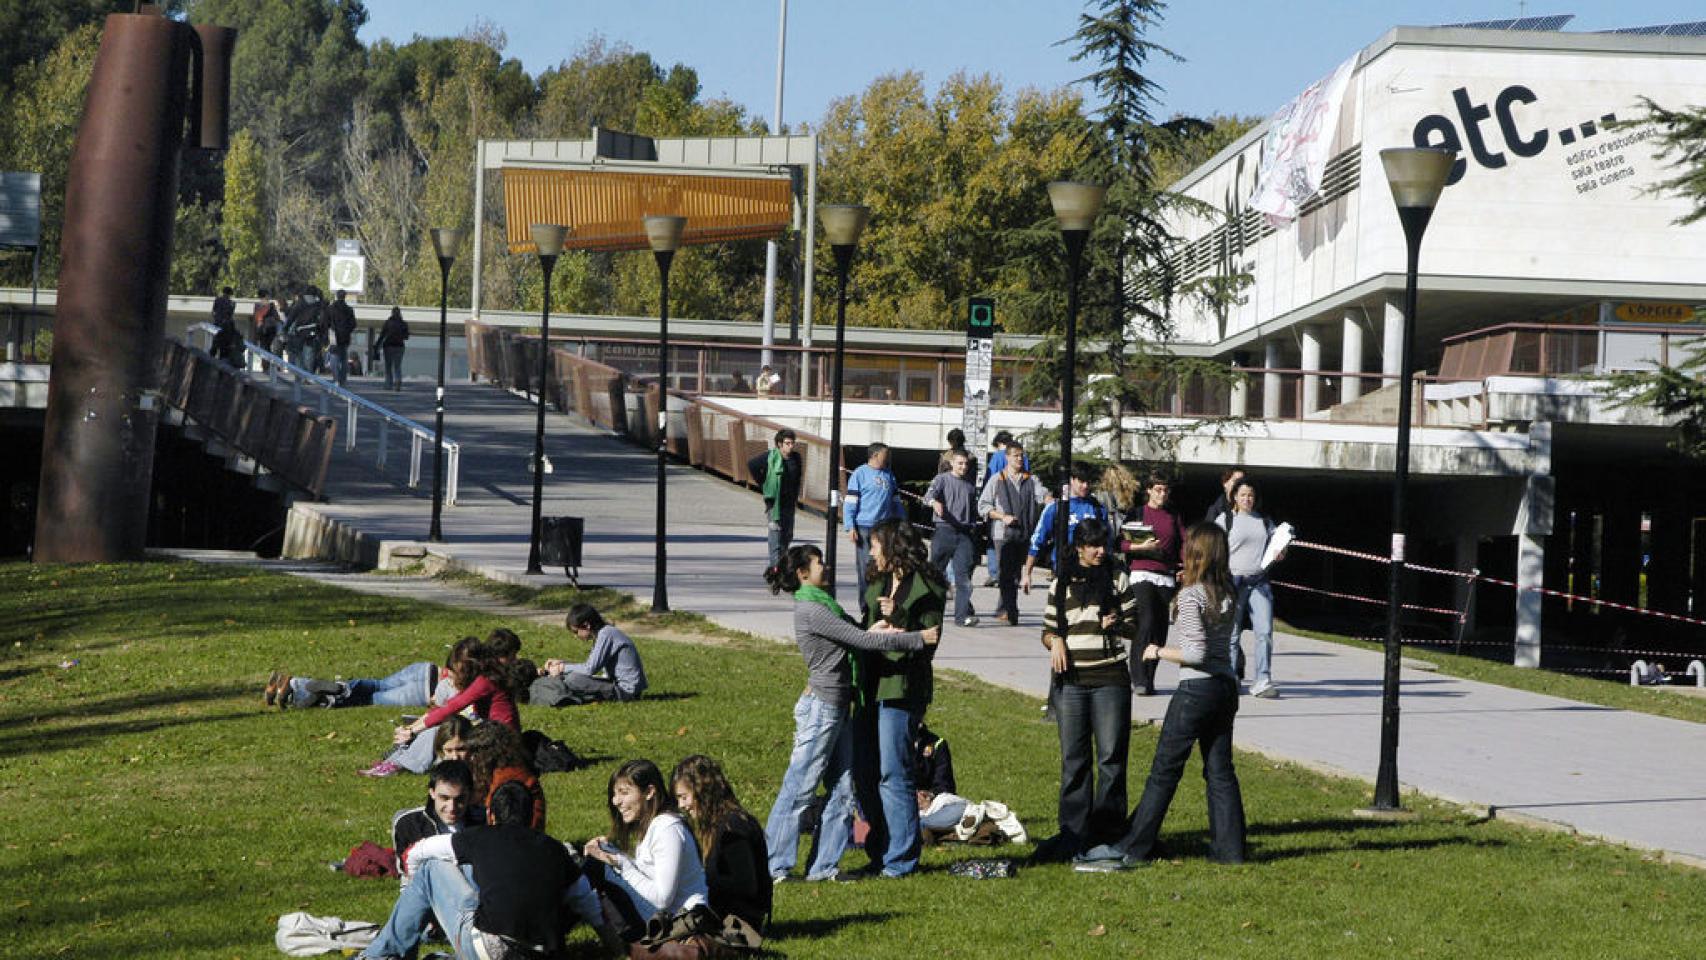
{"x": 120, "y": 201}
{"x": 1075, "y": 207}
{"x": 664, "y": 234}
{"x": 548, "y": 241}
{"x": 842, "y": 224}
{"x": 1417, "y": 177}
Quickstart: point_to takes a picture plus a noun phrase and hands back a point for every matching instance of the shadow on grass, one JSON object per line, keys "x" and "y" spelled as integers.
{"x": 821, "y": 927}
{"x": 1375, "y": 846}
{"x": 47, "y": 736}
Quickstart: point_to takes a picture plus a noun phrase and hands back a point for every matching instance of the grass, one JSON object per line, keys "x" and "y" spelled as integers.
{"x": 1657, "y": 702}
{"x": 155, "y": 809}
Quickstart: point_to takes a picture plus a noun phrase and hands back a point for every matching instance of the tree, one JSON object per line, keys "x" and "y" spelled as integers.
{"x": 1129, "y": 287}
{"x": 1679, "y": 137}
{"x": 382, "y": 186}
{"x": 243, "y": 226}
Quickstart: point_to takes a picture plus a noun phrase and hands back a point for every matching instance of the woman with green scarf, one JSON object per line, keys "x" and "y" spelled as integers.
{"x": 777, "y": 473}
{"x": 823, "y": 748}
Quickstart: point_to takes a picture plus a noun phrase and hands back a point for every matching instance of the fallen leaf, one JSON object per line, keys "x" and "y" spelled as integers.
{"x": 1098, "y": 931}
{"x": 630, "y": 738}
{"x": 681, "y": 731}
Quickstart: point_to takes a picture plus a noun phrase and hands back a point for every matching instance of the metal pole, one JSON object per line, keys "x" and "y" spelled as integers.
{"x": 843, "y": 261}
{"x": 478, "y": 298}
{"x": 766, "y": 357}
{"x": 1415, "y": 220}
{"x": 546, "y": 263}
{"x": 810, "y": 270}
{"x": 660, "y": 586}
{"x": 436, "y": 535}
{"x": 1075, "y": 240}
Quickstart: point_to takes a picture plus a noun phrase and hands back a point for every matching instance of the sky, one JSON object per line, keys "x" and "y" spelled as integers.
{"x": 1240, "y": 57}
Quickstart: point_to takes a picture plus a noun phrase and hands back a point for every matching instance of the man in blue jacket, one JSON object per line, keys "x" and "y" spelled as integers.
{"x": 873, "y": 495}
{"x": 1082, "y": 505}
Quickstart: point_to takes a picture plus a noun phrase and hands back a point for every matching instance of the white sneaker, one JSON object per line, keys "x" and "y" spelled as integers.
{"x": 1269, "y": 692}
{"x": 969, "y": 622}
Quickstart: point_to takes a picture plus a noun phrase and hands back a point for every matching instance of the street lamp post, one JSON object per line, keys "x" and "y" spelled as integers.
{"x": 445, "y": 241}
{"x": 664, "y": 234}
{"x": 1417, "y": 177}
{"x": 548, "y": 240}
{"x": 1075, "y": 207}
{"x": 842, "y": 224}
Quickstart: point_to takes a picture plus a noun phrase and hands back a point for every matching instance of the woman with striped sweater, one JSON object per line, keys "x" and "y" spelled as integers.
{"x": 1090, "y": 619}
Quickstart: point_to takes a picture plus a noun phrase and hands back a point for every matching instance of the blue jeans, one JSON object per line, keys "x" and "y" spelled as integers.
{"x": 408, "y": 687}
{"x": 1200, "y": 713}
{"x": 340, "y": 363}
{"x": 1256, "y": 598}
{"x": 823, "y": 752}
{"x": 394, "y": 367}
{"x": 863, "y": 558}
{"x": 781, "y": 534}
{"x": 439, "y": 888}
{"x": 882, "y": 781}
{"x": 952, "y": 552}
{"x": 1095, "y": 737}
{"x": 311, "y": 357}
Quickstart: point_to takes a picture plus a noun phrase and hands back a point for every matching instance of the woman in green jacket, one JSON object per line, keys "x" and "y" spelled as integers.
{"x": 903, "y": 589}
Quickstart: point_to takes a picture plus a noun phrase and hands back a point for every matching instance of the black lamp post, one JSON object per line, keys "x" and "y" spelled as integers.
{"x": 842, "y": 224}
{"x": 664, "y": 234}
{"x": 1075, "y": 207}
{"x": 1417, "y": 176}
{"x": 445, "y": 241}
{"x": 548, "y": 240}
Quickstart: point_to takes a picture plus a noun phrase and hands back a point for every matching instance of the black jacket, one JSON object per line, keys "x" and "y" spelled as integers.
{"x": 791, "y": 468}
{"x": 343, "y": 322}
{"x": 394, "y": 332}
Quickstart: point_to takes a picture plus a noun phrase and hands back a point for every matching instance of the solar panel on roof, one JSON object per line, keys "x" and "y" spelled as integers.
{"x": 1550, "y": 22}
{"x": 1694, "y": 28}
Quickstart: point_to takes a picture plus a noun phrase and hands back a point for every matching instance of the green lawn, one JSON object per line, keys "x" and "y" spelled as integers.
{"x": 155, "y": 809}
{"x": 1606, "y": 693}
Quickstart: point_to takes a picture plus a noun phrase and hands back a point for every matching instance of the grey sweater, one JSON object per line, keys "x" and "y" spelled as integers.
{"x": 1204, "y": 643}
{"x": 824, "y": 640}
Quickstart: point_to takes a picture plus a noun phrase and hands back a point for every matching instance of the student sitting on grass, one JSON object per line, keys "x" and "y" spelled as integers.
{"x": 489, "y": 695}
{"x": 650, "y": 861}
{"x": 450, "y": 793}
{"x": 612, "y": 670}
{"x": 496, "y": 757}
{"x": 731, "y": 843}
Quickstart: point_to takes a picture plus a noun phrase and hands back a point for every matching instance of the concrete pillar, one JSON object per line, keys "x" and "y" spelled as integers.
{"x": 1271, "y": 385}
{"x": 1468, "y": 558}
{"x": 1239, "y": 403}
{"x": 1533, "y": 525}
{"x": 1350, "y": 356}
{"x": 1311, "y": 343}
{"x": 1392, "y": 339}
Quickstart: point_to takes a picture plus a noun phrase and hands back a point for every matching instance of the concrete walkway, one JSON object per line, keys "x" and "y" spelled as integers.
{"x": 1622, "y": 776}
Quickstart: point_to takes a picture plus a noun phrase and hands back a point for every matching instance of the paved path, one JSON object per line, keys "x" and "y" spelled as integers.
{"x": 1629, "y": 777}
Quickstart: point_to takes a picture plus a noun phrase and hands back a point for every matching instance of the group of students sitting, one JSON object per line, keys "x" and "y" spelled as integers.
{"x": 680, "y": 873}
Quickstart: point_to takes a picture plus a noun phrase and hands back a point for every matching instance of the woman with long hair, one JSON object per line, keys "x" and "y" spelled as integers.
{"x": 731, "y": 843}
{"x": 416, "y": 685}
{"x": 823, "y": 746}
{"x": 906, "y": 592}
{"x": 1201, "y": 710}
{"x": 496, "y": 756}
{"x": 1153, "y": 558}
{"x": 1090, "y": 618}
{"x": 487, "y": 692}
{"x": 651, "y": 862}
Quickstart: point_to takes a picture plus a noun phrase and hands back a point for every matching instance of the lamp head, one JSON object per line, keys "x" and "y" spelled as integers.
{"x": 548, "y": 238}
{"x": 843, "y": 222}
{"x": 447, "y": 241}
{"x": 664, "y": 232}
{"x": 1417, "y": 175}
{"x": 1076, "y": 204}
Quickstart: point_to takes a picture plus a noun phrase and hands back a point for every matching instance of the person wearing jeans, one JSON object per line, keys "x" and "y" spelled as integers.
{"x": 906, "y": 592}
{"x": 953, "y": 498}
{"x": 873, "y": 495}
{"x": 1011, "y": 501}
{"x": 823, "y": 747}
{"x": 1200, "y": 713}
{"x": 1247, "y": 535}
{"x": 1090, "y": 619}
{"x": 777, "y": 474}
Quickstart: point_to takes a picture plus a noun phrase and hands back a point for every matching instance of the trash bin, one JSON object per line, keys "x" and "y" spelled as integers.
{"x": 560, "y": 544}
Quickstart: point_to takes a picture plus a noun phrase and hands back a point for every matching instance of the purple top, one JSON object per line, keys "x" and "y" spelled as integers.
{"x": 1170, "y": 531}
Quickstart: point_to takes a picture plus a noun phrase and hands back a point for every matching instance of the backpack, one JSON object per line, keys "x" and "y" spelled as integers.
{"x": 305, "y": 935}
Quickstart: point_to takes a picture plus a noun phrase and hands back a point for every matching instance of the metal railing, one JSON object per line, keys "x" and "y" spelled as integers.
{"x": 281, "y": 437}
{"x": 284, "y": 374}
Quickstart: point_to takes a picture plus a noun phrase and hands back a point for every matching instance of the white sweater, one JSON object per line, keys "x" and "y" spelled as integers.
{"x": 664, "y": 874}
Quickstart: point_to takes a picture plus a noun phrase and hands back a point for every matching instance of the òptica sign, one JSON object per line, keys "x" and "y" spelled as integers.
{"x": 1509, "y": 127}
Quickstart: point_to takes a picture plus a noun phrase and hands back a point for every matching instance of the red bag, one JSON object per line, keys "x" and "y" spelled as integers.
{"x": 369, "y": 859}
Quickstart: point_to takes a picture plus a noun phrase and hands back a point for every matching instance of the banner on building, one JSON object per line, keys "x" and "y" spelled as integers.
{"x": 1298, "y": 145}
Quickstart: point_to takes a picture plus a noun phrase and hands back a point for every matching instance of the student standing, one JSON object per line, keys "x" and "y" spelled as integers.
{"x": 873, "y": 495}
{"x": 1011, "y": 501}
{"x": 1247, "y": 534}
{"x": 778, "y": 475}
{"x": 1154, "y": 560}
{"x": 953, "y": 547}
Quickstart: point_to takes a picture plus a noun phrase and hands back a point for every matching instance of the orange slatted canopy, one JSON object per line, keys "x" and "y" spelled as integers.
{"x": 605, "y": 209}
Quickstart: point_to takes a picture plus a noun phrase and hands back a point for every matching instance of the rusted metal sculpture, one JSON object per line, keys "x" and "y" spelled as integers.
{"x": 153, "y": 77}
